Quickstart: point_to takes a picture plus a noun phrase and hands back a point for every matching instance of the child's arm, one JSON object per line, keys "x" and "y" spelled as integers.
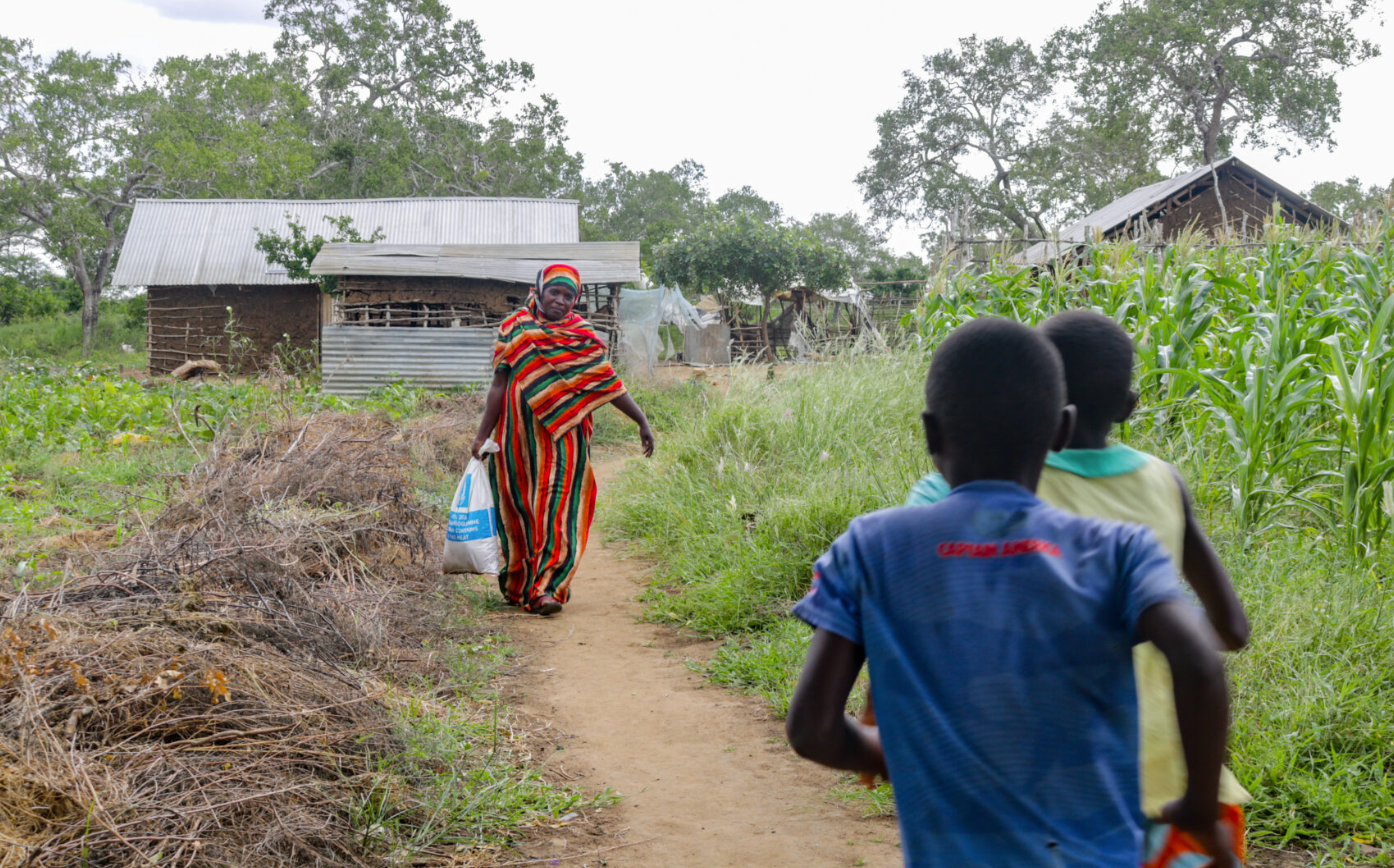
{"x": 1202, "y": 714}
{"x": 1203, "y": 570}
{"x": 817, "y": 727}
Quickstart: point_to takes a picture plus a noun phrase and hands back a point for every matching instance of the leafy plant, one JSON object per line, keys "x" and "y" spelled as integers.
{"x": 297, "y": 251}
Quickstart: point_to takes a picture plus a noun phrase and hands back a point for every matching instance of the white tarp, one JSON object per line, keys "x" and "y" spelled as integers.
{"x": 642, "y": 311}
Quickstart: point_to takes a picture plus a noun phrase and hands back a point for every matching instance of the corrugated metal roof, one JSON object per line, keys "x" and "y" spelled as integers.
{"x": 1118, "y": 212}
{"x": 181, "y": 242}
{"x": 354, "y": 360}
{"x": 596, "y": 261}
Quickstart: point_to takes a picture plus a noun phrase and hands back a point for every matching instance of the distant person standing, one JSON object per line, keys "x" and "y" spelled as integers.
{"x": 550, "y": 374}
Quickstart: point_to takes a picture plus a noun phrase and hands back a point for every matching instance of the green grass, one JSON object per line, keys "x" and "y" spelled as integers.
{"x": 58, "y": 340}
{"x": 750, "y": 487}
{"x": 457, "y": 784}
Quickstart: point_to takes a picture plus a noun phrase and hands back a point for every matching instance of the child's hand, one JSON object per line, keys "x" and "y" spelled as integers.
{"x": 868, "y": 718}
{"x": 871, "y": 737}
{"x": 1209, "y": 833}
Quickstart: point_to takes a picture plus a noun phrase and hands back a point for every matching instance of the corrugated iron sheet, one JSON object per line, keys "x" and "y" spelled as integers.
{"x": 356, "y": 359}
{"x": 597, "y": 261}
{"x": 182, "y": 242}
{"x": 1121, "y": 210}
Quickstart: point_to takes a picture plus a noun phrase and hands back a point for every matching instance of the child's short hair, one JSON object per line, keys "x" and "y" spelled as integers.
{"x": 997, "y": 389}
{"x": 1098, "y": 358}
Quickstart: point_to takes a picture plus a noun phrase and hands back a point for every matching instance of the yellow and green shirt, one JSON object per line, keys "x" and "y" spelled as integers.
{"x": 1123, "y": 484}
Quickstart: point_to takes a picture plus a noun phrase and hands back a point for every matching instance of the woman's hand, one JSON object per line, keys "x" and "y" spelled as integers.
{"x": 478, "y": 445}
{"x": 625, "y": 404}
{"x": 646, "y": 439}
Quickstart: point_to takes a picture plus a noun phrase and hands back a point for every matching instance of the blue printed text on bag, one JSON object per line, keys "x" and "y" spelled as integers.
{"x": 466, "y": 525}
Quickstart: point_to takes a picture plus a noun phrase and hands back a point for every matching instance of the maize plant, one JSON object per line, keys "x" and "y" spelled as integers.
{"x": 1362, "y": 384}
{"x": 1274, "y": 360}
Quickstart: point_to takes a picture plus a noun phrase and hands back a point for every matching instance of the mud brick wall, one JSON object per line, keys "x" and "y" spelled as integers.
{"x": 191, "y": 322}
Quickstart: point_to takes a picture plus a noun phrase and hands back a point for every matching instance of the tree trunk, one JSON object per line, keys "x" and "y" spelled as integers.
{"x": 1215, "y": 177}
{"x": 765, "y": 328}
{"x": 91, "y": 300}
{"x": 1210, "y": 142}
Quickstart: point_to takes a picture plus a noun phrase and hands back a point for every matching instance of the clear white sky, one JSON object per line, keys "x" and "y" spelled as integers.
{"x": 780, "y": 96}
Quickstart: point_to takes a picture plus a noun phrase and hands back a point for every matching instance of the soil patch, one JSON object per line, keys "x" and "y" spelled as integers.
{"x": 706, "y": 775}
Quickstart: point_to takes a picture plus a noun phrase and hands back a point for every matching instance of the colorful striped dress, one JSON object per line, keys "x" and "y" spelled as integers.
{"x": 543, "y": 484}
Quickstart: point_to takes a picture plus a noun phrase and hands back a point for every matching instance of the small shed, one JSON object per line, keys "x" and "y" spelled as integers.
{"x": 429, "y": 312}
{"x": 211, "y": 293}
{"x": 1162, "y": 210}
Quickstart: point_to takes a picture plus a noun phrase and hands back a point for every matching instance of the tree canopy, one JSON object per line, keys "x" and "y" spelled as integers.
{"x": 649, "y": 207}
{"x": 963, "y": 146}
{"x": 1351, "y": 200}
{"x": 995, "y": 137}
{"x": 403, "y": 101}
{"x": 75, "y": 153}
{"x": 1210, "y": 74}
{"x": 743, "y": 258}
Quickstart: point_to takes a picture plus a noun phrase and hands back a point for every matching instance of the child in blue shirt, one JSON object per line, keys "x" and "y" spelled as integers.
{"x": 998, "y": 632}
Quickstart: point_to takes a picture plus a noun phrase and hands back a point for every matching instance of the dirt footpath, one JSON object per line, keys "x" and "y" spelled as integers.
{"x": 706, "y": 776}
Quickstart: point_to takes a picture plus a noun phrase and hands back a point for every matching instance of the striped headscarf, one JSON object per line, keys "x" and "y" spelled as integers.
{"x": 561, "y": 273}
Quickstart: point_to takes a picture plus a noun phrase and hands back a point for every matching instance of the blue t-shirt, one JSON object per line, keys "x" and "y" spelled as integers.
{"x": 999, "y": 632}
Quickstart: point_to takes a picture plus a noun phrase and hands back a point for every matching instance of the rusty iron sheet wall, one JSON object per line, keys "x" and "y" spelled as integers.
{"x": 356, "y": 359}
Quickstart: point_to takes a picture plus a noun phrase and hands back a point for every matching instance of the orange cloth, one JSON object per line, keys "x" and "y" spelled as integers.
{"x": 1168, "y": 847}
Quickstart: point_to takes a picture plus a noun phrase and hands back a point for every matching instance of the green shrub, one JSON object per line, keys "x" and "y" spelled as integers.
{"x": 20, "y": 302}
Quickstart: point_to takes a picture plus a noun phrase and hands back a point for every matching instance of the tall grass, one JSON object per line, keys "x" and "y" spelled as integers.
{"x": 1267, "y": 375}
{"x": 58, "y": 339}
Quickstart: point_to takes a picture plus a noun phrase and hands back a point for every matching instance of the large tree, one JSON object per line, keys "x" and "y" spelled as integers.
{"x": 964, "y": 147}
{"x": 1210, "y": 74}
{"x": 744, "y": 257}
{"x": 746, "y": 202}
{"x": 74, "y": 159}
{"x": 1095, "y": 154}
{"x": 405, "y": 102}
{"x": 81, "y": 139}
{"x": 649, "y": 207}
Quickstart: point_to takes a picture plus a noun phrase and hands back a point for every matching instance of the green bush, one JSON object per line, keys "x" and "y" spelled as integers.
{"x": 20, "y": 302}
{"x": 133, "y": 311}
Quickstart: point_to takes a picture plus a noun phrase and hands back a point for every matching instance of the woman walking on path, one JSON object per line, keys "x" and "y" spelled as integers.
{"x": 550, "y": 374}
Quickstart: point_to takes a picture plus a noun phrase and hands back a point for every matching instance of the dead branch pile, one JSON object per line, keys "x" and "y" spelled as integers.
{"x": 212, "y": 691}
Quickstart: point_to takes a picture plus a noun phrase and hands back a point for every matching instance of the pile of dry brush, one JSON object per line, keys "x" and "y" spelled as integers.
{"x": 212, "y": 691}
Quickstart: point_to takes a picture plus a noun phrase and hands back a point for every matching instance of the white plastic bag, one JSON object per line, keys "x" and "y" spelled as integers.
{"x": 471, "y": 537}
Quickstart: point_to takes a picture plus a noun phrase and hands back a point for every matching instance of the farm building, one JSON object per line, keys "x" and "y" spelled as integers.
{"x": 211, "y": 293}
{"x": 429, "y": 312}
{"x": 1162, "y": 210}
